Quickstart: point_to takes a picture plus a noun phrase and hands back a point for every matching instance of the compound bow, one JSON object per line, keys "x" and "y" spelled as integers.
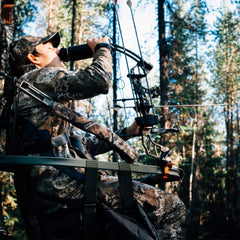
{"x": 142, "y": 97}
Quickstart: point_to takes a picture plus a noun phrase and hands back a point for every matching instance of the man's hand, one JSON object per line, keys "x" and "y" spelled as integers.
{"x": 93, "y": 43}
{"x": 134, "y": 130}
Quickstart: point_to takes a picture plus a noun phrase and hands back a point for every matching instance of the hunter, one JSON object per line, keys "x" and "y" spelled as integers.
{"x": 51, "y": 198}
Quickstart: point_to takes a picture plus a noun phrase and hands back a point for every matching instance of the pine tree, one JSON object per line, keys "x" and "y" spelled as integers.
{"x": 187, "y": 31}
{"x": 226, "y": 82}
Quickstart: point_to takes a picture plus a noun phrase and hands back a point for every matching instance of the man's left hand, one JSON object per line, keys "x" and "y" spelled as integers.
{"x": 93, "y": 43}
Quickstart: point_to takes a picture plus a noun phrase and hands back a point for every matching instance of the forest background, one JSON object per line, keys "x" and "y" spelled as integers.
{"x": 196, "y": 65}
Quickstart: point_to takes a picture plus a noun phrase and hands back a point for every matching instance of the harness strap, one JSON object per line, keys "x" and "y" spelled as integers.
{"x": 126, "y": 188}
{"x": 90, "y": 198}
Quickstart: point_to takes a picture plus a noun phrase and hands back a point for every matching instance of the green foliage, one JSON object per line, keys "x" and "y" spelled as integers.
{"x": 198, "y": 140}
{"x": 226, "y": 84}
{"x": 12, "y": 216}
{"x": 226, "y": 65}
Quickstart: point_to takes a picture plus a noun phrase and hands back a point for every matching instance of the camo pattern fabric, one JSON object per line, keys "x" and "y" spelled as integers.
{"x": 165, "y": 210}
{"x": 62, "y": 86}
{"x": 52, "y": 188}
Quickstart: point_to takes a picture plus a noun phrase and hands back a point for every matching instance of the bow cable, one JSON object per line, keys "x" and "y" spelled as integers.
{"x": 124, "y": 49}
{"x": 129, "y": 3}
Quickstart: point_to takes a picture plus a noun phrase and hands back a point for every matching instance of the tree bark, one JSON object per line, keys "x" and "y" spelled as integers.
{"x": 231, "y": 185}
{"x": 163, "y": 53}
{"x": 74, "y": 6}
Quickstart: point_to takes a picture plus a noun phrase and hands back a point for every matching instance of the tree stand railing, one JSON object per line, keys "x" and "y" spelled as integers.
{"x": 124, "y": 171}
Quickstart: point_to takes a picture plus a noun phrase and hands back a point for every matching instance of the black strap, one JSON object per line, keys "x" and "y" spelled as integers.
{"x": 103, "y": 44}
{"x": 126, "y": 188}
{"x": 90, "y": 198}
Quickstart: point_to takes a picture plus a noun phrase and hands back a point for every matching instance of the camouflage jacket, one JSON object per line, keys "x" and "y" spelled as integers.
{"x": 62, "y": 86}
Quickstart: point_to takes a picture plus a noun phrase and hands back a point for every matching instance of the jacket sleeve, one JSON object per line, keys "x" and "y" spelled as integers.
{"x": 95, "y": 146}
{"x": 64, "y": 85}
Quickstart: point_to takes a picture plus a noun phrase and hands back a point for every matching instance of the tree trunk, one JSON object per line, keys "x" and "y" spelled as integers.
{"x": 231, "y": 186}
{"x": 193, "y": 165}
{"x": 193, "y": 228}
{"x": 50, "y": 15}
{"x": 3, "y": 49}
{"x": 74, "y": 6}
{"x": 114, "y": 56}
{"x": 163, "y": 50}
{"x": 231, "y": 178}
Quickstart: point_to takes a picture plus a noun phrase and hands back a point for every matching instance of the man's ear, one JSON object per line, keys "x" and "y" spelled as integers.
{"x": 33, "y": 59}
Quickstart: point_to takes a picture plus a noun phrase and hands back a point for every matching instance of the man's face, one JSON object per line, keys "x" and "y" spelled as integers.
{"x": 48, "y": 55}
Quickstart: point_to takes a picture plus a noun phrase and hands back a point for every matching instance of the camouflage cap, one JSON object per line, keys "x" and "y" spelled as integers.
{"x": 21, "y": 48}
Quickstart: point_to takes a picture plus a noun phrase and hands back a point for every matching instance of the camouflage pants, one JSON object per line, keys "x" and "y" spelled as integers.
{"x": 165, "y": 210}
